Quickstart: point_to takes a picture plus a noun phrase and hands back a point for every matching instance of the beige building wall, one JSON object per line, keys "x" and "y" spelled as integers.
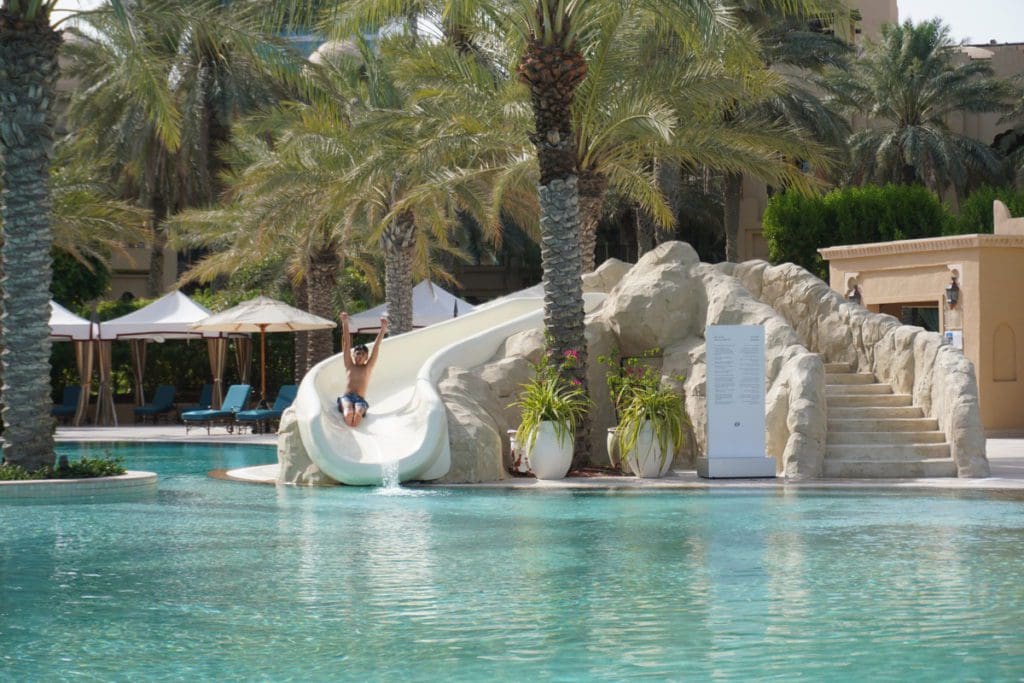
{"x": 990, "y": 312}
{"x": 130, "y": 272}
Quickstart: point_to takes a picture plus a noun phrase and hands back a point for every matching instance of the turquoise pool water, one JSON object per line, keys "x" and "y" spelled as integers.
{"x": 212, "y": 580}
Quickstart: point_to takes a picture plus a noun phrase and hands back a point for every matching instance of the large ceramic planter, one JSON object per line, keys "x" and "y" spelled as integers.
{"x": 613, "y": 447}
{"x": 646, "y": 460}
{"x": 550, "y": 457}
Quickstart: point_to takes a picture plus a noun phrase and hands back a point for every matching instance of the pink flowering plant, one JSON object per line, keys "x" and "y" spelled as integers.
{"x": 552, "y": 395}
{"x": 630, "y": 376}
{"x": 641, "y": 397}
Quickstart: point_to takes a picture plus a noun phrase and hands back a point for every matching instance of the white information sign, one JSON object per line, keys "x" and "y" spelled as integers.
{"x": 736, "y": 403}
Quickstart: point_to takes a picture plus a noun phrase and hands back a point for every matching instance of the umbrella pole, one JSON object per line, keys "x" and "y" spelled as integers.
{"x": 263, "y": 365}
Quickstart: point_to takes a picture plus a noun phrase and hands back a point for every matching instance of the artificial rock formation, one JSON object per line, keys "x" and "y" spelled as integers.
{"x": 666, "y": 300}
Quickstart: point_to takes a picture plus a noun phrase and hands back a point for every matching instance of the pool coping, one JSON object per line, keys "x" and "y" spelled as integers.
{"x": 130, "y": 481}
{"x": 675, "y": 480}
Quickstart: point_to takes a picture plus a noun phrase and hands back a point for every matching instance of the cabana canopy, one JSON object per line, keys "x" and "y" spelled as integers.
{"x": 169, "y": 317}
{"x": 66, "y": 326}
{"x": 430, "y": 304}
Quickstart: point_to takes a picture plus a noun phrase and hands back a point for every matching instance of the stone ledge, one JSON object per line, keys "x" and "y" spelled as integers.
{"x": 66, "y": 489}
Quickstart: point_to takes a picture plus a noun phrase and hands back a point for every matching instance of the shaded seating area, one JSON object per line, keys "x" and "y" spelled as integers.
{"x": 236, "y": 400}
{"x": 204, "y": 402}
{"x": 260, "y": 419}
{"x": 66, "y": 326}
{"x": 68, "y": 406}
{"x": 168, "y": 318}
{"x": 162, "y": 405}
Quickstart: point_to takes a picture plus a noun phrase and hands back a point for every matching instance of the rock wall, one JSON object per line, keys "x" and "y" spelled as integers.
{"x": 914, "y": 361}
{"x": 666, "y": 301}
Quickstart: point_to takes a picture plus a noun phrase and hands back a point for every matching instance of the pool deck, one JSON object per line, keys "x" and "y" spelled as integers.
{"x": 1005, "y": 454}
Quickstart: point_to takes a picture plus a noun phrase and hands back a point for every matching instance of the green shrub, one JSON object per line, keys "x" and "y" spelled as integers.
{"x": 976, "y": 211}
{"x": 86, "y": 468}
{"x": 796, "y": 226}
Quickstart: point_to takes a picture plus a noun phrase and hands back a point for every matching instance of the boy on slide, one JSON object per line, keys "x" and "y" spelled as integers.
{"x": 359, "y": 362}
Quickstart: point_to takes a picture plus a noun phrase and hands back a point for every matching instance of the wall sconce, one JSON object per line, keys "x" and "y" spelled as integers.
{"x": 952, "y": 292}
{"x": 854, "y": 296}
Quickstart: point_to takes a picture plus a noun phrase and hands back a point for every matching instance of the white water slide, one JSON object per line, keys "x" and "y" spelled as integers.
{"x": 406, "y": 427}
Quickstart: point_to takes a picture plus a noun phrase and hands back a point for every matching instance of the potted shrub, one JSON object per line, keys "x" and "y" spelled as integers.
{"x": 625, "y": 377}
{"x": 551, "y": 406}
{"x": 651, "y": 429}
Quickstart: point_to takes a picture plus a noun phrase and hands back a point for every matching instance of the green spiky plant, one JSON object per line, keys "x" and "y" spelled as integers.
{"x": 551, "y": 397}
{"x": 663, "y": 409}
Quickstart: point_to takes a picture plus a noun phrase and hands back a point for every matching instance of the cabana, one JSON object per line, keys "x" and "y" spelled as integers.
{"x": 430, "y": 304}
{"x": 66, "y": 326}
{"x": 169, "y": 317}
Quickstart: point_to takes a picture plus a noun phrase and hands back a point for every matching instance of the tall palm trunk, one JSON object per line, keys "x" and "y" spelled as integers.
{"x": 398, "y": 242}
{"x": 300, "y": 291}
{"x": 323, "y": 279}
{"x": 155, "y": 280}
{"x": 670, "y": 180}
{"x": 593, "y": 187}
{"x": 553, "y": 73}
{"x": 28, "y": 58}
{"x": 733, "y": 194}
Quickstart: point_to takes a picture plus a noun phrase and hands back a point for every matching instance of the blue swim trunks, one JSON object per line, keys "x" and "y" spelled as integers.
{"x": 355, "y": 399}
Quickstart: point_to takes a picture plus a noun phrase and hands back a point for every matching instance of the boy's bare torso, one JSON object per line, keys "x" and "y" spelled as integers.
{"x": 358, "y": 378}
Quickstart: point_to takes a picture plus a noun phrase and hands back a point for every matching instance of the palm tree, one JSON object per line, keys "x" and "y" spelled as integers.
{"x": 789, "y": 44}
{"x": 28, "y": 61}
{"x": 909, "y": 84}
{"x": 212, "y": 63}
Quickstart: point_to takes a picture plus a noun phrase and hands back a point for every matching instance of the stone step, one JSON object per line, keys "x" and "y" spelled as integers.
{"x": 836, "y": 368}
{"x": 869, "y": 400}
{"x": 885, "y": 438}
{"x": 849, "y": 378}
{"x": 889, "y": 452}
{"x": 881, "y": 424}
{"x": 873, "y": 412}
{"x": 886, "y": 469}
{"x": 858, "y": 389}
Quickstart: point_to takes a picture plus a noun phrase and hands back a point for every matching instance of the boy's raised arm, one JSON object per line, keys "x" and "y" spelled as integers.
{"x": 346, "y": 340}
{"x": 376, "y": 343}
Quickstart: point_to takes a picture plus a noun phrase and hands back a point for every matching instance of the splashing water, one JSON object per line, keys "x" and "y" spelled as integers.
{"x": 389, "y": 476}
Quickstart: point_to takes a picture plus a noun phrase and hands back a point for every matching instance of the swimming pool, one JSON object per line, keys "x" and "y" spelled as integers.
{"x": 216, "y": 580}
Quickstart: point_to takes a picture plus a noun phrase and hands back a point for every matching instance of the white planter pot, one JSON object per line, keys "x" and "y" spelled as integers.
{"x": 613, "y": 447}
{"x": 550, "y": 458}
{"x": 646, "y": 460}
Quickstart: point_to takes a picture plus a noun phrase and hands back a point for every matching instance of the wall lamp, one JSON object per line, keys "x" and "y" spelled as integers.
{"x": 854, "y": 296}
{"x": 952, "y": 292}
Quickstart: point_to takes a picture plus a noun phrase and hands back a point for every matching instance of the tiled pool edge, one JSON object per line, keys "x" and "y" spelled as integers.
{"x": 54, "y": 489}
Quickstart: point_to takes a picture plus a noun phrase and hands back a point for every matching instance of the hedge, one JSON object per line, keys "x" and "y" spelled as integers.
{"x": 796, "y": 226}
{"x": 976, "y": 211}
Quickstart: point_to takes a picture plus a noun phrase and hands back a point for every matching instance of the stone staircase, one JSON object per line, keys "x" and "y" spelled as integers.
{"x": 875, "y": 433}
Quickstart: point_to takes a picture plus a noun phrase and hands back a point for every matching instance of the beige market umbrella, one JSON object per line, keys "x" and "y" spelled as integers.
{"x": 262, "y": 315}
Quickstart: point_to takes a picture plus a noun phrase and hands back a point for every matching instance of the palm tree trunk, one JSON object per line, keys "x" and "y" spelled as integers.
{"x": 155, "y": 280}
{"x": 302, "y": 365}
{"x": 670, "y": 179}
{"x": 28, "y": 59}
{"x": 648, "y": 233}
{"x": 733, "y": 195}
{"x": 593, "y": 187}
{"x": 553, "y": 73}
{"x": 323, "y": 279}
{"x": 398, "y": 241}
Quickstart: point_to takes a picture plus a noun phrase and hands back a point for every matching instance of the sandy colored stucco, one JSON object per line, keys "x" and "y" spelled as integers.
{"x": 991, "y": 277}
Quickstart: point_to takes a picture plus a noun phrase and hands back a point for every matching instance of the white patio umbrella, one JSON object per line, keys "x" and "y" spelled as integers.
{"x": 262, "y": 315}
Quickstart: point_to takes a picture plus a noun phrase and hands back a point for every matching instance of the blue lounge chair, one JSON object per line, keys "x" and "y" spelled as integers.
{"x": 65, "y": 410}
{"x": 261, "y": 418}
{"x": 238, "y": 396}
{"x": 205, "y": 401}
{"x": 162, "y": 404}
